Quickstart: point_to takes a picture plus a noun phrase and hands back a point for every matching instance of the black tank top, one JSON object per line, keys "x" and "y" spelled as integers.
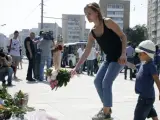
{"x": 110, "y": 43}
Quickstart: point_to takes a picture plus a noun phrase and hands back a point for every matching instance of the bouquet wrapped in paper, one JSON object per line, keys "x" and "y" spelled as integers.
{"x": 57, "y": 78}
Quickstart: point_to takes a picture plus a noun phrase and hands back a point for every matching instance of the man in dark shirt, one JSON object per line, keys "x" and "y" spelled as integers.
{"x": 30, "y": 53}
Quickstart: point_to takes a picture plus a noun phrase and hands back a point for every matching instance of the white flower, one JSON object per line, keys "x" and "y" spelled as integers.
{"x": 54, "y": 74}
{"x": 48, "y": 79}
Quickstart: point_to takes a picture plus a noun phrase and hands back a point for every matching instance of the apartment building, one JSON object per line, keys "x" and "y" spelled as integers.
{"x": 73, "y": 27}
{"x": 4, "y": 42}
{"x": 118, "y": 10}
{"x": 153, "y": 21}
{"x": 86, "y": 33}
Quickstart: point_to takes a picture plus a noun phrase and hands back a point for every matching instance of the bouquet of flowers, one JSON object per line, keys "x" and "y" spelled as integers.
{"x": 57, "y": 78}
{"x": 21, "y": 99}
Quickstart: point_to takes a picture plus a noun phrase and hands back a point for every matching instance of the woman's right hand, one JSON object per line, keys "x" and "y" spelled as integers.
{"x": 73, "y": 72}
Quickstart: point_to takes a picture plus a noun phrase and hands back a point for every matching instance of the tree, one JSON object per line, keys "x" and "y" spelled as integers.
{"x": 137, "y": 34}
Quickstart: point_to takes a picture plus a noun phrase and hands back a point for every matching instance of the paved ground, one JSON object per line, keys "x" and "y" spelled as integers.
{"x": 79, "y": 100}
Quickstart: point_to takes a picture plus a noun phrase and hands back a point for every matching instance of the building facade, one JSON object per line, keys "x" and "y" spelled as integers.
{"x": 153, "y": 22}
{"x": 4, "y": 42}
{"x": 57, "y": 30}
{"x": 73, "y": 27}
{"x": 117, "y": 10}
{"x": 86, "y": 33}
{"x": 35, "y": 30}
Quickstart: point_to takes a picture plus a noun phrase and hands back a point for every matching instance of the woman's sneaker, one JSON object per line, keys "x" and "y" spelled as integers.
{"x": 101, "y": 116}
{"x": 107, "y": 117}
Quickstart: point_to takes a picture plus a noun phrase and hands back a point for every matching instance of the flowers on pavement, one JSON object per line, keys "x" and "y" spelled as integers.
{"x": 57, "y": 78}
{"x": 9, "y": 105}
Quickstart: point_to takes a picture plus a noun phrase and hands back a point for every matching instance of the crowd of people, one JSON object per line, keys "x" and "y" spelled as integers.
{"x": 38, "y": 52}
{"x": 143, "y": 62}
{"x": 91, "y": 65}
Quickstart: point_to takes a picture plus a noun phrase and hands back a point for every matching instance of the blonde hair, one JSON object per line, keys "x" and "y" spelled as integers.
{"x": 95, "y": 7}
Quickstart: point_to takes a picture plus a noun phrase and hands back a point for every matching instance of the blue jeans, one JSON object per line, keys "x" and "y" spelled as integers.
{"x": 7, "y": 71}
{"x": 106, "y": 74}
{"x": 145, "y": 109}
{"x": 44, "y": 59}
{"x": 90, "y": 67}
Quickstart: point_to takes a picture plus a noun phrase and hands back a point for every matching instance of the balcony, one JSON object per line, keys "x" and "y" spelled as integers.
{"x": 112, "y": 15}
{"x": 154, "y": 14}
{"x": 115, "y": 9}
{"x": 153, "y": 21}
{"x": 153, "y": 29}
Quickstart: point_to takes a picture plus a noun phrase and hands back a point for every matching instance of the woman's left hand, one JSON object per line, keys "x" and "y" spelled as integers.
{"x": 123, "y": 59}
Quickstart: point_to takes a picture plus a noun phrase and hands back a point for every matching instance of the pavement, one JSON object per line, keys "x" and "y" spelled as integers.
{"x": 79, "y": 100}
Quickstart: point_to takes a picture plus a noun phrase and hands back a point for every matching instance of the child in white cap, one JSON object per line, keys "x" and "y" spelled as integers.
{"x": 146, "y": 76}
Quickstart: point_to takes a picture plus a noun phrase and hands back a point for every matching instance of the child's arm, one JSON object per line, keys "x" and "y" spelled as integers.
{"x": 155, "y": 76}
{"x": 157, "y": 81}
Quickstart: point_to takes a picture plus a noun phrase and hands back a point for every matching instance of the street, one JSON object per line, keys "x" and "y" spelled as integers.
{"x": 79, "y": 100}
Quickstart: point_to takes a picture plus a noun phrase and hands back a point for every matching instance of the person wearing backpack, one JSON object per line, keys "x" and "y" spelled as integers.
{"x": 14, "y": 51}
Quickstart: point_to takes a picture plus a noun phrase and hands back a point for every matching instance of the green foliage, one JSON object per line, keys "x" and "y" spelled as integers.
{"x": 137, "y": 34}
{"x": 48, "y": 72}
{"x": 63, "y": 77}
{"x": 10, "y": 106}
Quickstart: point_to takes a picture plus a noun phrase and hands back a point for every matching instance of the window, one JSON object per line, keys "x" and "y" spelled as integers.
{"x": 109, "y": 6}
{"x": 158, "y": 25}
{"x": 75, "y": 37}
{"x": 117, "y": 18}
{"x": 119, "y": 13}
{"x": 110, "y": 13}
{"x": 74, "y": 32}
{"x": 114, "y": 13}
{"x": 118, "y": 6}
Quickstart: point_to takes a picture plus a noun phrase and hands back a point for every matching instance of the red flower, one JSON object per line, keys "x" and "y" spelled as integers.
{"x": 53, "y": 84}
{"x": 60, "y": 47}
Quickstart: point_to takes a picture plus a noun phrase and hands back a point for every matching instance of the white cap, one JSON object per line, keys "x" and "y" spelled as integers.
{"x": 148, "y": 47}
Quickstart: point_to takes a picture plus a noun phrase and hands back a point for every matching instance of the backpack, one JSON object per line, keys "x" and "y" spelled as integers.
{"x": 9, "y": 47}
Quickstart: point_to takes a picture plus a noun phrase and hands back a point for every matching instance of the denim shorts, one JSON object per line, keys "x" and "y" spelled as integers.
{"x": 16, "y": 59}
